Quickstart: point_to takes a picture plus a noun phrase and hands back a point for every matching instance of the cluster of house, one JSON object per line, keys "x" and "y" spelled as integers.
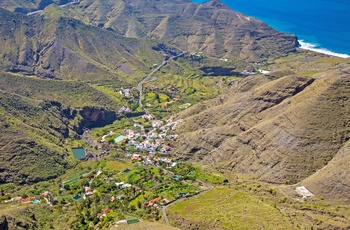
{"x": 31, "y": 199}
{"x": 88, "y": 192}
{"x": 152, "y": 160}
{"x": 195, "y": 54}
{"x": 151, "y": 141}
{"x": 156, "y": 202}
{"x": 127, "y": 92}
{"x": 247, "y": 72}
{"x": 103, "y": 213}
{"x": 21, "y": 200}
{"x": 125, "y": 109}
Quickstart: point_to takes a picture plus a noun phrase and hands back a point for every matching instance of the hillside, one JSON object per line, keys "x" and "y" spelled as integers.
{"x": 67, "y": 49}
{"x": 332, "y": 181}
{"x": 37, "y": 115}
{"x": 25, "y": 6}
{"x": 279, "y": 128}
{"x": 71, "y": 76}
{"x": 211, "y": 28}
{"x": 30, "y": 140}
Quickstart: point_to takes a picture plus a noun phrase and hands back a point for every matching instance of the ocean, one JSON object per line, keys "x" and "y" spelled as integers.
{"x": 320, "y": 25}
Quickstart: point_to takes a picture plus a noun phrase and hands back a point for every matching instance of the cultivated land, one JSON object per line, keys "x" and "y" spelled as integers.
{"x": 217, "y": 145}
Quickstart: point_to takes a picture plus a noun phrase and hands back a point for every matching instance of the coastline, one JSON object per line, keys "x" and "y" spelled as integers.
{"x": 313, "y": 41}
{"x": 313, "y": 47}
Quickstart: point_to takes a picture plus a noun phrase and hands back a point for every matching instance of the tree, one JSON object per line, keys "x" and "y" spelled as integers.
{"x": 24, "y": 195}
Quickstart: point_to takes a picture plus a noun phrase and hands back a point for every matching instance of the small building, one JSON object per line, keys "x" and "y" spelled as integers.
{"x": 155, "y": 200}
{"x": 119, "y": 183}
{"x": 125, "y": 186}
{"x": 157, "y": 124}
{"x": 136, "y": 157}
{"x": 165, "y": 201}
{"x": 303, "y": 192}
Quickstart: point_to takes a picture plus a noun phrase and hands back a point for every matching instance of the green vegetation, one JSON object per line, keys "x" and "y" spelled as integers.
{"x": 229, "y": 208}
{"x": 144, "y": 184}
{"x": 61, "y": 72}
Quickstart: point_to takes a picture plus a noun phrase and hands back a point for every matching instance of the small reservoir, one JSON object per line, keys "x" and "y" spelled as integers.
{"x": 79, "y": 153}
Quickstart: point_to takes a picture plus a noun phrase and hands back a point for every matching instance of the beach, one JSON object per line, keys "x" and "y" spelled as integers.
{"x": 322, "y": 27}
{"x": 313, "y": 47}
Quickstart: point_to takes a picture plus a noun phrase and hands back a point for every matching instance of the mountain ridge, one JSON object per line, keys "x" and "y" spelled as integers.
{"x": 281, "y": 130}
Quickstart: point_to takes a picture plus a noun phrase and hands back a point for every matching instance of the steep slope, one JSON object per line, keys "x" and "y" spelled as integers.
{"x": 280, "y": 131}
{"x": 36, "y": 116}
{"x": 29, "y": 140}
{"x": 25, "y": 6}
{"x": 67, "y": 49}
{"x": 211, "y": 28}
{"x": 333, "y": 180}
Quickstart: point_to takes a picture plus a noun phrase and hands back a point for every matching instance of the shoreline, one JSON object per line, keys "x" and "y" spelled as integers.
{"x": 313, "y": 47}
{"x": 277, "y": 24}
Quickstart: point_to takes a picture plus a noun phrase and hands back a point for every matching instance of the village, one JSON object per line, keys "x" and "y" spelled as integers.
{"x": 126, "y": 190}
{"x": 152, "y": 144}
{"x": 133, "y": 186}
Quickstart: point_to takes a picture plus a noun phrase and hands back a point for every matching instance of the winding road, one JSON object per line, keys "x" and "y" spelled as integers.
{"x": 205, "y": 187}
{"x": 39, "y": 11}
{"x": 139, "y": 85}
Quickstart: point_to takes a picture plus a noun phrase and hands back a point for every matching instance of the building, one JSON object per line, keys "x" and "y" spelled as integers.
{"x": 303, "y": 192}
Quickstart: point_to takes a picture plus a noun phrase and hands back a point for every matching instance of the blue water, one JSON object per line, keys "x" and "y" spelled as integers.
{"x": 320, "y": 24}
{"x": 79, "y": 153}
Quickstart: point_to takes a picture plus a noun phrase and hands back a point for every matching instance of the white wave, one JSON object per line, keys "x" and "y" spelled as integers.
{"x": 313, "y": 47}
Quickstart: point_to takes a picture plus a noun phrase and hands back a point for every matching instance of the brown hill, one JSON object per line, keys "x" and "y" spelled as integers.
{"x": 68, "y": 49}
{"x": 332, "y": 181}
{"x": 211, "y": 28}
{"x": 281, "y": 130}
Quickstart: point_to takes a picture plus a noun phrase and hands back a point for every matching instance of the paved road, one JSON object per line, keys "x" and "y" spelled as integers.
{"x": 39, "y": 11}
{"x": 208, "y": 188}
{"x": 139, "y": 86}
{"x": 205, "y": 187}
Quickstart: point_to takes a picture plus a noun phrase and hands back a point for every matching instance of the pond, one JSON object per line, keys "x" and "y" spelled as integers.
{"x": 79, "y": 153}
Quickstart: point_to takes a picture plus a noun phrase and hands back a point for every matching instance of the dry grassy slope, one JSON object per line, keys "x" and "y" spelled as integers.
{"x": 282, "y": 130}
{"x": 211, "y": 27}
{"x": 68, "y": 49}
{"x": 332, "y": 181}
{"x": 144, "y": 225}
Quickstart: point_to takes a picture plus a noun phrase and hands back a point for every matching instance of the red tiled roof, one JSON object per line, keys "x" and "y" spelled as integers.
{"x": 107, "y": 210}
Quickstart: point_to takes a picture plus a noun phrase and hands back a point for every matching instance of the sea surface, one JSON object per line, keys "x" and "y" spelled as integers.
{"x": 320, "y": 25}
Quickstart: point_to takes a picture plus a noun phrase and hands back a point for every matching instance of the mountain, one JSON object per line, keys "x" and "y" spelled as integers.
{"x": 27, "y": 6}
{"x": 65, "y": 48}
{"x": 281, "y": 128}
{"x": 211, "y": 27}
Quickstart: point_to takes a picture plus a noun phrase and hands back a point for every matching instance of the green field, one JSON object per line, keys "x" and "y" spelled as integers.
{"x": 231, "y": 209}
